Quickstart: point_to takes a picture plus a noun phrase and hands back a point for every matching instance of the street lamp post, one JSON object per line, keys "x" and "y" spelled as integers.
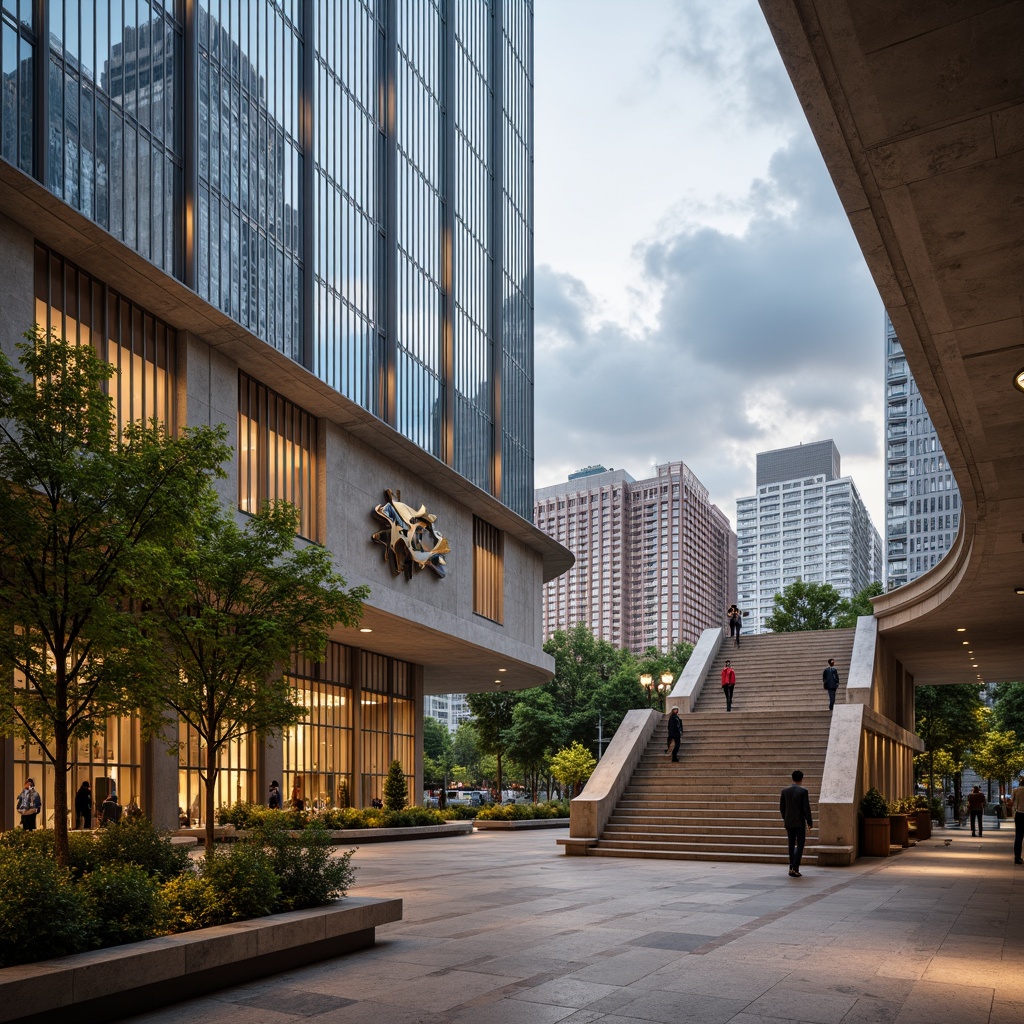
{"x": 659, "y": 689}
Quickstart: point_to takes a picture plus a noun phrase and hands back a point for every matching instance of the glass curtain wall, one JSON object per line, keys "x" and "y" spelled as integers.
{"x": 348, "y": 340}
{"x": 114, "y": 145}
{"x": 235, "y": 782}
{"x": 517, "y": 255}
{"x": 249, "y": 238}
{"x": 472, "y": 243}
{"x": 388, "y": 725}
{"x": 318, "y": 750}
{"x": 17, "y": 64}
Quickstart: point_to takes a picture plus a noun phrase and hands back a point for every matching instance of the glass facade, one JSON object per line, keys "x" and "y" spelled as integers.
{"x": 236, "y": 775}
{"x": 387, "y": 722}
{"x": 277, "y": 454}
{"x": 351, "y": 182}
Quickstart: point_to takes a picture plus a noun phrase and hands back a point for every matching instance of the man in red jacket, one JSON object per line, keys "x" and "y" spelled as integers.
{"x": 728, "y": 684}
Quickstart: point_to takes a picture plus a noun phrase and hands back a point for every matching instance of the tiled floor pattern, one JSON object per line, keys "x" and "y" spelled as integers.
{"x": 504, "y": 929}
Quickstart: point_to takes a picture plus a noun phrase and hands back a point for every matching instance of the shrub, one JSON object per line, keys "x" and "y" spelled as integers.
{"x": 125, "y": 903}
{"x": 308, "y": 873}
{"x": 525, "y": 812}
{"x": 396, "y": 789}
{"x": 137, "y": 841}
{"x": 43, "y": 913}
{"x": 243, "y": 815}
{"x": 873, "y": 804}
{"x": 244, "y": 879}
{"x": 460, "y": 813}
{"x": 191, "y": 902}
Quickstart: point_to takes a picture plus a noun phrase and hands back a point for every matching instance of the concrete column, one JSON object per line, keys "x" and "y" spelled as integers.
{"x": 160, "y": 775}
{"x": 270, "y": 766}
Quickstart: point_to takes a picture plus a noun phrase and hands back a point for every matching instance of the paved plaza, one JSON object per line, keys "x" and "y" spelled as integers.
{"x": 502, "y": 928}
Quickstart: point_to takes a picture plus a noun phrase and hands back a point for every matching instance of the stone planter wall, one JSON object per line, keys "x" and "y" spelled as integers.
{"x": 108, "y": 984}
{"x": 526, "y": 823}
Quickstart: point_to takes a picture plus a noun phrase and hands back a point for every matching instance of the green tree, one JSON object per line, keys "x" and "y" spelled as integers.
{"x": 83, "y": 507}
{"x": 466, "y": 748}
{"x": 233, "y": 606}
{"x": 949, "y": 718}
{"x": 534, "y": 722}
{"x": 1008, "y": 709}
{"x": 492, "y": 713}
{"x": 437, "y": 740}
{"x": 998, "y": 755}
{"x": 860, "y": 604}
{"x": 803, "y": 606}
{"x": 933, "y": 766}
{"x": 396, "y": 789}
{"x": 572, "y": 766}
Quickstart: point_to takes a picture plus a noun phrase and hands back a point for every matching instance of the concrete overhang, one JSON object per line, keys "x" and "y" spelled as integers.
{"x": 918, "y": 109}
{"x": 96, "y": 251}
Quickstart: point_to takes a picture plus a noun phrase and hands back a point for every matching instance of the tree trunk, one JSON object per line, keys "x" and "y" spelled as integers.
{"x": 62, "y": 850}
{"x": 209, "y": 782}
{"x": 498, "y": 758}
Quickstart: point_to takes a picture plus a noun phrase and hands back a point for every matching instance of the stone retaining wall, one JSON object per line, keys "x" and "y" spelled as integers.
{"x": 108, "y": 984}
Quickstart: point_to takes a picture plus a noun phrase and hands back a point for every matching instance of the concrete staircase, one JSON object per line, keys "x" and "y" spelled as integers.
{"x": 721, "y": 802}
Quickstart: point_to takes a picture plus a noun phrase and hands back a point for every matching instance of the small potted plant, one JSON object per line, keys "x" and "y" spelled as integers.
{"x": 899, "y": 826}
{"x": 874, "y": 815}
{"x": 922, "y": 814}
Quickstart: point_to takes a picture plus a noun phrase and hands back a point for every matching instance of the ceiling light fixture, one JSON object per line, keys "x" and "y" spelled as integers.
{"x": 961, "y": 629}
{"x": 1019, "y": 591}
{"x": 365, "y": 629}
{"x": 1018, "y": 380}
{"x": 502, "y": 669}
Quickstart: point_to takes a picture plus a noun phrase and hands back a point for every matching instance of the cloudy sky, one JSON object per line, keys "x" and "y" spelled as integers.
{"x": 699, "y": 294}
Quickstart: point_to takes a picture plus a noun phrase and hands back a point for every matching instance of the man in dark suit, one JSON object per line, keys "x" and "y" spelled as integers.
{"x": 830, "y": 680}
{"x": 795, "y": 808}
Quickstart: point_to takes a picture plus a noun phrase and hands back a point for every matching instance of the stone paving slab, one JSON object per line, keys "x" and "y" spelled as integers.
{"x": 504, "y": 929}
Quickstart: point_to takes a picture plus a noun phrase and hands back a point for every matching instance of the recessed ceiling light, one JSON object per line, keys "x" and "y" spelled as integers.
{"x": 965, "y": 642}
{"x": 1019, "y": 591}
{"x": 1018, "y": 380}
{"x": 502, "y": 669}
{"x": 365, "y": 629}
{"x": 961, "y": 629}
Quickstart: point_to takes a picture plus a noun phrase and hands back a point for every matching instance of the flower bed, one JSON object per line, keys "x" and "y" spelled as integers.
{"x": 127, "y": 883}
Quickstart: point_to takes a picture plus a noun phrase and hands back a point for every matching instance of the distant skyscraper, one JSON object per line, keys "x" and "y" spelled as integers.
{"x": 450, "y": 709}
{"x": 922, "y": 507}
{"x": 655, "y": 560}
{"x": 807, "y": 522}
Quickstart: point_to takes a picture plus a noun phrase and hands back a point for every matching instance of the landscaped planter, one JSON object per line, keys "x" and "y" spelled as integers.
{"x": 523, "y": 823}
{"x": 384, "y": 835}
{"x": 108, "y": 984}
{"x": 874, "y": 837}
{"x": 899, "y": 830}
{"x": 923, "y": 818}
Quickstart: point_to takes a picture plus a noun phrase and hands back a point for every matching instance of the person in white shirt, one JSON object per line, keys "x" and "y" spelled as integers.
{"x": 1017, "y": 804}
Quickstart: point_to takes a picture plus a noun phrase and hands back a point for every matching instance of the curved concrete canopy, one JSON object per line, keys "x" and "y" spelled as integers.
{"x": 918, "y": 108}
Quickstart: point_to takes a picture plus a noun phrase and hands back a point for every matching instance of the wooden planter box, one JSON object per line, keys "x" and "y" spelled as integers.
{"x": 923, "y": 817}
{"x": 899, "y": 830}
{"x": 875, "y": 837}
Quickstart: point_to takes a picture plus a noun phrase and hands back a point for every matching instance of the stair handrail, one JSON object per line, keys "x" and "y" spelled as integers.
{"x": 861, "y": 680}
{"x": 590, "y": 811}
{"x": 691, "y": 680}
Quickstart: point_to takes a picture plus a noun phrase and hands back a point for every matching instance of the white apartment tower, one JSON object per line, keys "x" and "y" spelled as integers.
{"x": 655, "y": 560}
{"x": 922, "y": 502}
{"x": 806, "y": 521}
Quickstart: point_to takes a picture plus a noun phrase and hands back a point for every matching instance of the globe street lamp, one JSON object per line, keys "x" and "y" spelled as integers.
{"x": 661, "y": 688}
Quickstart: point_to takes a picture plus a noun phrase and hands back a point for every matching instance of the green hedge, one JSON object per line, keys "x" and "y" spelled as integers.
{"x": 525, "y": 812}
{"x": 127, "y": 883}
{"x": 250, "y": 816}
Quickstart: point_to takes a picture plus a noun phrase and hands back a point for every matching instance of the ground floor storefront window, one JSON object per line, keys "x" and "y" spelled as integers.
{"x": 235, "y": 782}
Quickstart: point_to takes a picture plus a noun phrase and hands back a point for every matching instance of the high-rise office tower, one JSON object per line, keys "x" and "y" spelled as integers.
{"x": 922, "y": 502}
{"x": 655, "y": 560}
{"x": 806, "y": 521}
{"x": 313, "y": 222}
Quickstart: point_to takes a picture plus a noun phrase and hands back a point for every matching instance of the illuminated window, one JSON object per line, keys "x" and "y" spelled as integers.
{"x": 277, "y": 443}
{"x": 236, "y": 778}
{"x": 388, "y": 722}
{"x": 318, "y": 750}
{"x": 488, "y": 571}
{"x": 142, "y": 348}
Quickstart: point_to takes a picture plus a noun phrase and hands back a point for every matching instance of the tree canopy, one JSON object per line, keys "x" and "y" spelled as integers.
{"x": 84, "y": 506}
{"x": 233, "y": 605}
{"x": 805, "y": 606}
